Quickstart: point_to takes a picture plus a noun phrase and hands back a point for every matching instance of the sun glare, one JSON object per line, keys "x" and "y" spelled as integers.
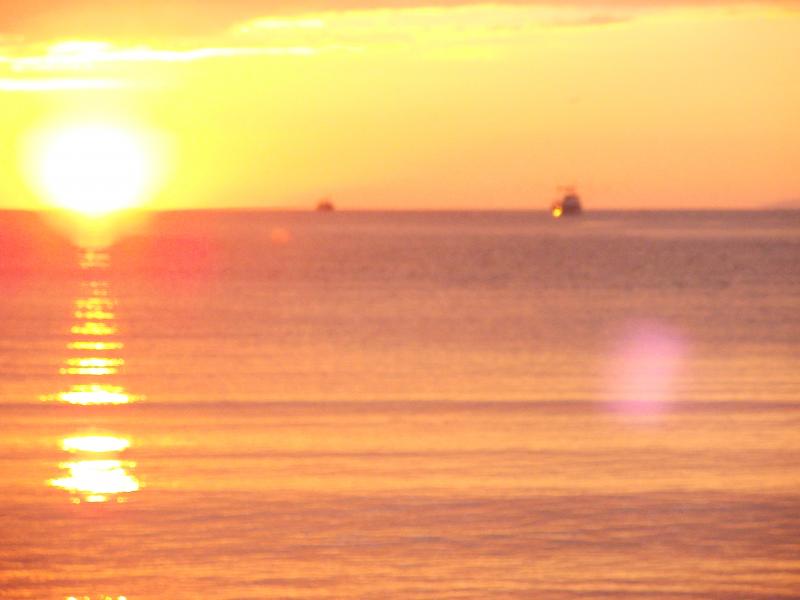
{"x": 94, "y": 169}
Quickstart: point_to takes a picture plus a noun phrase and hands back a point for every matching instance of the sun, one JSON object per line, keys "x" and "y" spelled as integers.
{"x": 94, "y": 168}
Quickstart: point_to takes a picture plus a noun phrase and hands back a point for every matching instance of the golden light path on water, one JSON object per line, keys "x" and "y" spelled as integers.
{"x": 95, "y": 472}
{"x": 81, "y": 345}
{"x": 97, "y": 480}
{"x": 92, "y": 366}
{"x": 95, "y": 443}
{"x": 96, "y": 361}
{"x": 91, "y": 394}
{"x": 94, "y": 329}
{"x": 98, "y": 598}
{"x": 99, "y": 476}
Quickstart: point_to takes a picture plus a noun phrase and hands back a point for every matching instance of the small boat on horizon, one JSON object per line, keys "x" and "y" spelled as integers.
{"x": 568, "y": 205}
{"x": 325, "y": 205}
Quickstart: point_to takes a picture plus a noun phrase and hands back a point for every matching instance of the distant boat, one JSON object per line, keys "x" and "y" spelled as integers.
{"x": 325, "y": 205}
{"x": 568, "y": 205}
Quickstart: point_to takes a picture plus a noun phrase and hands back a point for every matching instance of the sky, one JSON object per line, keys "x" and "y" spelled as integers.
{"x": 395, "y": 105}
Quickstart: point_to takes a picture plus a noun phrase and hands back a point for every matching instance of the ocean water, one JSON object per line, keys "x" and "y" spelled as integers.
{"x": 402, "y": 405}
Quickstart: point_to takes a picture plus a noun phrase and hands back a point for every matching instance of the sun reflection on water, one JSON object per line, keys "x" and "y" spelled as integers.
{"x": 97, "y": 598}
{"x": 96, "y": 335}
{"x": 95, "y": 361}
{"x": 95, "y": 313}
{"x": 93, "y": 258}
{"x": 97, "y": 480}
{"x": 94, "y": 365}
{"x": 99, "y": 475}
{"x": 95, "y": 472}
{"x": 93, "y": 328}
{"x": 99, "y": 346}
{"x": 93, "y": 394}
{"x": 95, "y": 443}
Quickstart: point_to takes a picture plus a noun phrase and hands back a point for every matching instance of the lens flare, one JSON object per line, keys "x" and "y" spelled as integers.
{"x": 644, "y": 370}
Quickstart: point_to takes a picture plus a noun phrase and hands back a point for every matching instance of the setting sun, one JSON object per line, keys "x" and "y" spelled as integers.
{"x": 93, "y": 169}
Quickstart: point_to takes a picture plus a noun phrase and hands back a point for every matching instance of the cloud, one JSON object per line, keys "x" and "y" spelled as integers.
{"x": 96, "y": 65}
{"x": 57, "y": 84}
{"x": 394, "y": 30}
{"x": 463, "y": 32}
{"x": 83, "y": 55}
{"x": 463, "y": 27}
{"x": 41, "y": 19}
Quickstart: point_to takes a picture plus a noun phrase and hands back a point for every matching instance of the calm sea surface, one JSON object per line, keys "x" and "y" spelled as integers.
{"x": 402, "y": 406}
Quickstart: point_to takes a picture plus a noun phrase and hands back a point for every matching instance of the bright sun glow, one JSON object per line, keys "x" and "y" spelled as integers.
{"x": 94, "y": 169}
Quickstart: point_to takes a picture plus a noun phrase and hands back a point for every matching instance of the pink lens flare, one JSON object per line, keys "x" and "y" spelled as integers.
{"x": 644, "y": 369}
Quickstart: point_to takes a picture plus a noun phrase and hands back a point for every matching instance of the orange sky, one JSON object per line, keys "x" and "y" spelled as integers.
{"x": 639, "y": 104}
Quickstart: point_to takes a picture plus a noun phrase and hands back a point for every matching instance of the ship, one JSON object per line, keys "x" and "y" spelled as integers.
{"x": 568, "y": 205}
{"x": 325, "y": 205}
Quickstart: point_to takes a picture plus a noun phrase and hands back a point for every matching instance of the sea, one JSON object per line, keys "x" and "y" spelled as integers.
{"x": 400, "y": 405}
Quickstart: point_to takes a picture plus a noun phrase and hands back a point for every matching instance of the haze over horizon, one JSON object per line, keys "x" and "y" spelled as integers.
{"x": 435, "y": 105}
